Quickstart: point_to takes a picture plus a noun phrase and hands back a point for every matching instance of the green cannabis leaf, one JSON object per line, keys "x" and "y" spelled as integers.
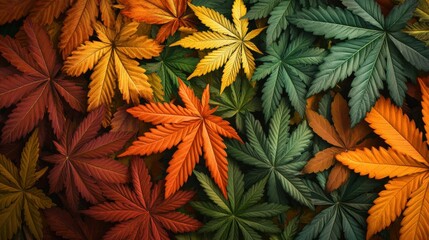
{"x": 277, "y": 10}
{"x": 235, "y": 101}
{"x": 345, "y": 212}
{"x": 290, "y": 65}
{"x": 420, "y": 29}
{"x": 172, "y": 63}
{"x": 280, "y": 156}
{"x": 241, "y": 216}
{"x": 375, "y": 49}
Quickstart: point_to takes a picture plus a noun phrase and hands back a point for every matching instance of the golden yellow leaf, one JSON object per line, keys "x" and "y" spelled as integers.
{"x": 157, "y": 88}
{"x": 231, "y": 39}
{"x": 112, "y": 60}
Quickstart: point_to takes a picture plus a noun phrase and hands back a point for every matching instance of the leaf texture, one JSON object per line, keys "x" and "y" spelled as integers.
{"x": 21, "y": 200}
{"x": 111, "y": 58}
{"x": 193, "y": 129}
{"x": 232, "y": 42}
{"x": 405, "y": 162}
{"x": 132, "y": 205}
{"x": 38, "y": 88}
{"x": 84, "y": 160}
{"x": 268, "y": 152}
{"x": 172, "y": 15}
{"x": 239, "y": 209}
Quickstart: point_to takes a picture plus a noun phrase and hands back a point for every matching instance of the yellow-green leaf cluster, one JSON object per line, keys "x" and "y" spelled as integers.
{"x": 19, "y": 199}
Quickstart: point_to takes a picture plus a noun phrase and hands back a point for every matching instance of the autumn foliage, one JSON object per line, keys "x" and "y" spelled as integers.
{"x": 213, "y": 120}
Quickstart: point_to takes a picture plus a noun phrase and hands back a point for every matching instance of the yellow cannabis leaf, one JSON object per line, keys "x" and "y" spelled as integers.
{"x": 18, "y": 196}
{"x": 405, "y": 162}
{"x": 231, "y": 40}
{"x": 112, "y": 58}
{"x": 420, "y": 29}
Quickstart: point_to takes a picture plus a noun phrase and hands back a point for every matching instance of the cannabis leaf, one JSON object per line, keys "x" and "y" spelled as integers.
{"x": 39, "y": 86}
{"x": 142, "y": 211}
{"x": 194, "y": 128}
{"x": 78, "y": 24}
{"x": 420, "y": 29}
{"x": 240, "y": 216}
{"x": 344, "y": 210}
{"x": 341, "y": 136}
{"x": 279, "y": 156}
{"x": 14, "y": 10}
{"x": 405, "y": 162}
{"x": 236, "y": 100}
{"x": 83, "y": 160}
{"x": 72, "y": 227}
{"x": 290, "y": 64}
{"x": 375, "y": 50}
{"x": 277, "y": 10}
{"x": 232, "y": 41}
{"x": 122, "y": 121}
{"x": 172, "y": 63}
{"x": 171, "y": 14}
{"x": 19, "y": 198}
{"x": 112, "y": 58}
{"x": 289, "y": 231}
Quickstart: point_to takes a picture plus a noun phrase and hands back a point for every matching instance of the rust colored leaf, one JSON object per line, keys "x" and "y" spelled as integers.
{"x": 73, "y": 227}
{"x": 142, "y": 212}
{"x": 340, "y": 135}
{"x": 38, "y": 88}
{"x": 337, "y": 177}
{"x": 83, "y": 160}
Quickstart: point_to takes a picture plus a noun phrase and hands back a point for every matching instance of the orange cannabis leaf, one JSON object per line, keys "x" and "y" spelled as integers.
{"x": 78, "y": 24}
{"x": 170, "y": 13}
{"x": 141, "y": 211}
{"x": 406, "y": 162}
{"x": 14, "y": 9}
{"x": 341, "y": 136}
{"x": 192, "y": 128}
{"x": 45, "y": 11}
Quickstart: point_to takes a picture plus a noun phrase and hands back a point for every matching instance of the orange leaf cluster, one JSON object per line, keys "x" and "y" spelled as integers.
{"x": 406, "y": 162}
{"x": 193, "y": 128}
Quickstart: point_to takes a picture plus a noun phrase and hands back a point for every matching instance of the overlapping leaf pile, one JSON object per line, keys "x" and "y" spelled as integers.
{"x": 221, "y": 119}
